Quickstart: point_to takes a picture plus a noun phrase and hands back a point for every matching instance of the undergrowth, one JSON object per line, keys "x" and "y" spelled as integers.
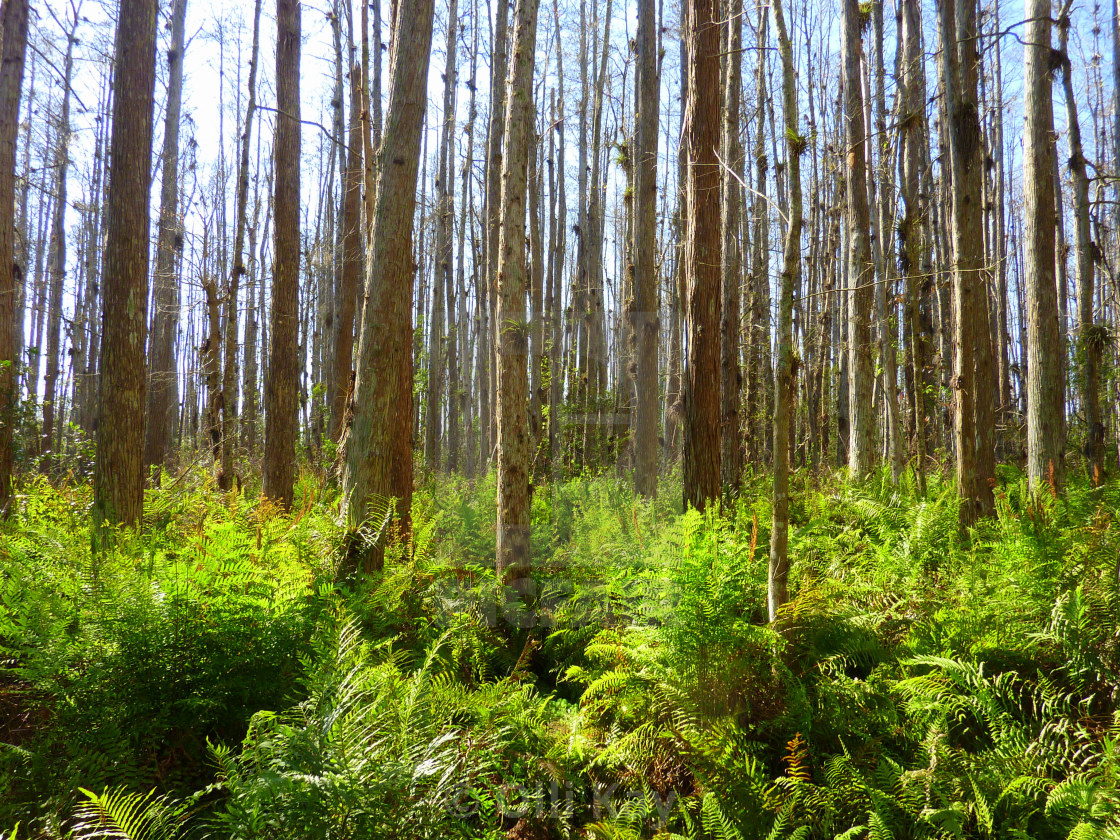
{"x": 217, "y": 674}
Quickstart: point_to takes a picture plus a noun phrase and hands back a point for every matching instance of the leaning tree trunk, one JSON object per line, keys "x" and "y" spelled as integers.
{"x": 514, "y": 447}
{"x": 647, "y": 101}
{"x": 777, "y": 588}
{"x": 1045, "y": 433}
{"x": 13, "y": 20}
{"x": 379, "y": 448}
{"x": 702, "y": 257}
{"x": 281, "y": 388}
{"x": 119, "y": 478}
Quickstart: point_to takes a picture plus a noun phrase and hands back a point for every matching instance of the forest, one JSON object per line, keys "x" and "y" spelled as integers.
{"x": 539, "y": 419}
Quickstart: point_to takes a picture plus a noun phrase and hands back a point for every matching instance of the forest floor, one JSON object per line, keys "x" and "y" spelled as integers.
{"x": 210, "y": 675}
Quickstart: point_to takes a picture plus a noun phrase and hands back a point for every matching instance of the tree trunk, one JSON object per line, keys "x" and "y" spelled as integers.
{"x": 1090, "y": 339}
{"x": 352, "y": 257}
{"x": 731, "y": 461}
{"x": 647, "y": 101}
{"x": 56, "y": 271}
{"x": 13, "y": 25}
{"x": 281, "y": 390}
{"x": 777, "y": 588}
{"x": 379, "y": 448}
{"x": 229, "y": 374}
{"x": 1045, "y": 398}
{"x": 702, "y": 257}
{"x": 861, "y": 366}
{"x": 514, "y": 449}
{"x": 119, "y": 478}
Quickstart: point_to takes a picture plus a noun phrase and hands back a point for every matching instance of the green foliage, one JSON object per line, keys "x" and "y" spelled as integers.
{"x": 925, "y": 683}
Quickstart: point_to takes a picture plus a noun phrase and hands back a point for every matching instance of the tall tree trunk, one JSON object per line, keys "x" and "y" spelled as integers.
{"x": 514, "y": 448}
{"x": 791, "y": 276}
{"x": 730, "y": 376}
{"x": 379, "y": 448}
{"x": 861, "y": 366}
{"x": 973, "y": 419}
{"x": 56, "y": 271}
{"x": 229, "y": 373}
{"x": 163, "y": 386}
{"x": 281, "y": 389}
{"x": 702, "y": 257}
{"x": 442, "y": 283}
{"x": 1045, "y": 397}
{"x": 13, "y": 25}
{"x": 499, "y": 48}
{"x": 119, "y": 478}
{"x": 911, "y": 131}
{"x": 1090, "y": 339}
{"x": 647, "y": 98}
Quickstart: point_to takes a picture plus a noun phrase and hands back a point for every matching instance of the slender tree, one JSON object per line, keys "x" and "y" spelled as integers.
{"x": 647, "y": 101}
{"x": 514, "y": 447}
{"x": 241, "y": 212}
{"x": 379, "y": 448}
{"x": 791, "y": 278}
{"x": 861, "y": 448}
{"x": 1045, "y": 397}
{"x": 13, "y": 26}
{"x": 119, "y": 478}
{"x": 282, "y": 378}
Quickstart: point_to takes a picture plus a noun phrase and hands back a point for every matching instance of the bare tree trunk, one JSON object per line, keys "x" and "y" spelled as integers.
{"x": 974, "y": 419}
{"x": 1090, "y": 338}
{"x": 702, "y": 257}
{"x": 443, "y": 285}
{"x": 57, "y": 268}
{"x": 513, "y": 336}
{"x": 861, "y": 450}
{"x": 1045, "y": 397}
{"x": 13, "y": 26}
{"x": 499, "y": 62}
{"x": 352, "y": 257}
{"x": 229, "y": 374}
{"x": 119, "y": 478}
{"x": 911, "y": 129}
{"x": 379, "y": 448}
{"x": 777, "y": 587}
{"x": 647, "y": 97}
{"x": 731, "y": 385}
{"x": 281, "y": 390}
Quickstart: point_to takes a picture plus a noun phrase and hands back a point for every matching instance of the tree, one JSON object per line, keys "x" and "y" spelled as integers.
{"x": 791, "y": 277}
{"x": 163, "y": 381}
{"x": 973, "y": 418}
{"x": 229, "y": 372}
{"x": 514, "y": 447}
{"x": 13, "y": 27}
{"x": 647, "y": 98}
{"x": 1045, "y": 397}
{"x": 379, "y": 448}
{"x": 1091, "y": 340}
{"x": 730, "y": 375}
{"x": 282, "y": 378}
{"x": 119, "y": 478}
{"x": 702, "y": 256}
{"x": 861, "y": 449}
